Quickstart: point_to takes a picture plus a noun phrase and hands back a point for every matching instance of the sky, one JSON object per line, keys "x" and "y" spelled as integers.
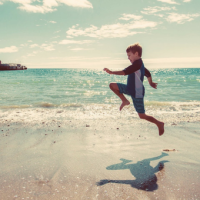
{"x": 96, "y": 33}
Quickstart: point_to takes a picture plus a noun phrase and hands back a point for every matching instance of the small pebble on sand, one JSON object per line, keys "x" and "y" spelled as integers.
{"x": 169, "y": 150}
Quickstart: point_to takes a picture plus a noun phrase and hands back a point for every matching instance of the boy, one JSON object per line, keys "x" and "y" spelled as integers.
{"x": 134, "y": 87}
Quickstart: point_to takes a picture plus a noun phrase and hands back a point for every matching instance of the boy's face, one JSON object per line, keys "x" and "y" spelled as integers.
{"x": 132, "y": 56}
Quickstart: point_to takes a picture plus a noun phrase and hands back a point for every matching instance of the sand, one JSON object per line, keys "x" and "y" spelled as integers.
{"x": 98, "y": 159}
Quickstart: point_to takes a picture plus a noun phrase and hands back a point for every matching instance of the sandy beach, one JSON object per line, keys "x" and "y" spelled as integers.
{"x": 97, "y": 158}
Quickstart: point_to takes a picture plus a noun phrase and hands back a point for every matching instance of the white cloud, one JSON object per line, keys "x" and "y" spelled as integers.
{"x": 53, "y": 22}
{"x": 46, "y": 6}
{"x": 9, "y": 49}
{"x": 172, "y": 60}
{"x": 57, "y": 31}
{"x": 168, "y": 1}
{"x": 31, "y": 54}
{"x": 181, "y": 18}
{"x": 130, "y": 16}
{"x": 156, "y": 9}
{"x": 30, "y": 41}
{"x": 70, "y": 37}
{"x": 36, "y": 9}
{"x": 187, "y": 0}
{"x": 118, "y": 30}
{"x": 159, "y": 15}
{"x": 34, "y": 45}
{"x": 75, "y": 41}
{"x": 77, "y": 49}
{"x": 116, "y": 63}
{"x": 47, "y": 47}
{"x": 50, "y": 3}
{"x": 77, "y": 3}
{"x": 24, "y": 45}
{"x": 56, "y": 37}
{"x": 184, "y": 62}
{"x": 21, "y": 1}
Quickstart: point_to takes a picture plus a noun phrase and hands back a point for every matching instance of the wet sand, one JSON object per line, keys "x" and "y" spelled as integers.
{"x": 98, "y": 159}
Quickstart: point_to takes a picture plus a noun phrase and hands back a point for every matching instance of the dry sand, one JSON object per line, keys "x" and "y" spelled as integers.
{"x": 98, "y": 159}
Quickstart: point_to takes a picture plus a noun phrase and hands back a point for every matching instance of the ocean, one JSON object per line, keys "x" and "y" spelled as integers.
{"x": 86, "y": 92}
{"x": 62, "y": 136}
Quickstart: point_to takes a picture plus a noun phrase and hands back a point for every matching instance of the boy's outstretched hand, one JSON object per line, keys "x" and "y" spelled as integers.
{"x": 154, "y": 85}
{"x": 151, "y": 83}
{"x": 107, "y": 70}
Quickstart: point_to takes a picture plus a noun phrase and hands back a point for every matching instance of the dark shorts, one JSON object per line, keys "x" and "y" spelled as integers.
{"x": 137, "y": 102}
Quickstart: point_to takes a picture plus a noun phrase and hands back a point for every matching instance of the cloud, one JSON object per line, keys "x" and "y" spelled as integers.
{"x": 47, "y": 47}
{"x": 187, "y": 1}
{"x": 36, "y": 9}
{"x": 116, "y": 63}
{"x": 183, "y": 62}
{"x": 24, "y": 45}
{"x": 50, "y": 3}
{"x": 173, "y": 60}
{"x": 117, "y": 30}
{"x": 156, "y": 9}
{"x": 9, "y": 49}
{"x": 55, "y": 37}
{"x": 181, "y": 18}
{"x": 46, "y": 6}
{"x": 168, "y": 1}
{"x": 31, "y": 54}
{"x": 130, "y": 16}
{"x": 53, "y": 22}
{"x": 75, "y": 41}
{"x": 34, "y": 45}
{"x": 77, "y": 3}
{"x": 57, "y": 31}
{"x": 20, "y": 1}
{"x": 78, "y": 49}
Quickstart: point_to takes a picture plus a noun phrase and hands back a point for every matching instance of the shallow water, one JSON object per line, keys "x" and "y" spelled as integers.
{"x": 80, "y": 93}
{"x": 61, "y": 131}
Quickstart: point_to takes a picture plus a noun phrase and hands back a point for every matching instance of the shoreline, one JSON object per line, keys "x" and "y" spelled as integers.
{"x": 97, "y": 159}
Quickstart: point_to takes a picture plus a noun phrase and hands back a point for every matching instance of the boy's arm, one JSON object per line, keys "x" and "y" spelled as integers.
{"x": 148, "y": 75}
{"x": 129, "y": 70}
{"x": 114, "y": 72}
{"x": 151, "y": 83}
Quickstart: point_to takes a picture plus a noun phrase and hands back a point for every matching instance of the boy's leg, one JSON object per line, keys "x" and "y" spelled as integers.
{"x": 139, "y": 107}
{"x": 159, "y": 124}
{"x": 114, "y": 87}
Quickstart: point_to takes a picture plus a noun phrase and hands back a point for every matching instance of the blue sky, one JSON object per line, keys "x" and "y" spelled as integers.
{"x": 96, "y": 33}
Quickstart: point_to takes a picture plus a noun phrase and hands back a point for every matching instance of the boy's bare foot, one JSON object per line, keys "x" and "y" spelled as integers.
{"x": 124, "y": 103}
{"x": 161, "y": 128}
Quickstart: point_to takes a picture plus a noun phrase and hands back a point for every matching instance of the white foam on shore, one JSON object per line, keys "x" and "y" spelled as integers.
{"x": 168, "y": 112}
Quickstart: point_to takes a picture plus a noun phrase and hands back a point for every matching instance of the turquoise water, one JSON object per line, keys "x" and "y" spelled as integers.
{"x": 71, "y": 87}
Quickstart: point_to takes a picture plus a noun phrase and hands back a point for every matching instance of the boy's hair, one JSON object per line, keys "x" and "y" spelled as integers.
{"x": 135, "y": 48}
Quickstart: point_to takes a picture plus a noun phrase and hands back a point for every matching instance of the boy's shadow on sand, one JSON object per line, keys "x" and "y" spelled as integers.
{"x": 144, "y": 173}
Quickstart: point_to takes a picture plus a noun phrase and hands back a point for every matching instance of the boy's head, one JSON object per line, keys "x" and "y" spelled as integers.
{"x": 134, "y": 52}
{"x": 135, "y": 48}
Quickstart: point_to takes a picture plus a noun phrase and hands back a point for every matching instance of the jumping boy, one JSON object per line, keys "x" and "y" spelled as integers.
{"x": 134, "y": 87}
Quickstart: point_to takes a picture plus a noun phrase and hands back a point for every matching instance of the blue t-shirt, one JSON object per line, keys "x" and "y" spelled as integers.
{"x": 136, "y": 73}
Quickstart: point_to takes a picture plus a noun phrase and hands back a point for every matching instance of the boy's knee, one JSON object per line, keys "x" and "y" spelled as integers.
{"x": 142, "y": 115}
{"x": 112, "y": 85}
